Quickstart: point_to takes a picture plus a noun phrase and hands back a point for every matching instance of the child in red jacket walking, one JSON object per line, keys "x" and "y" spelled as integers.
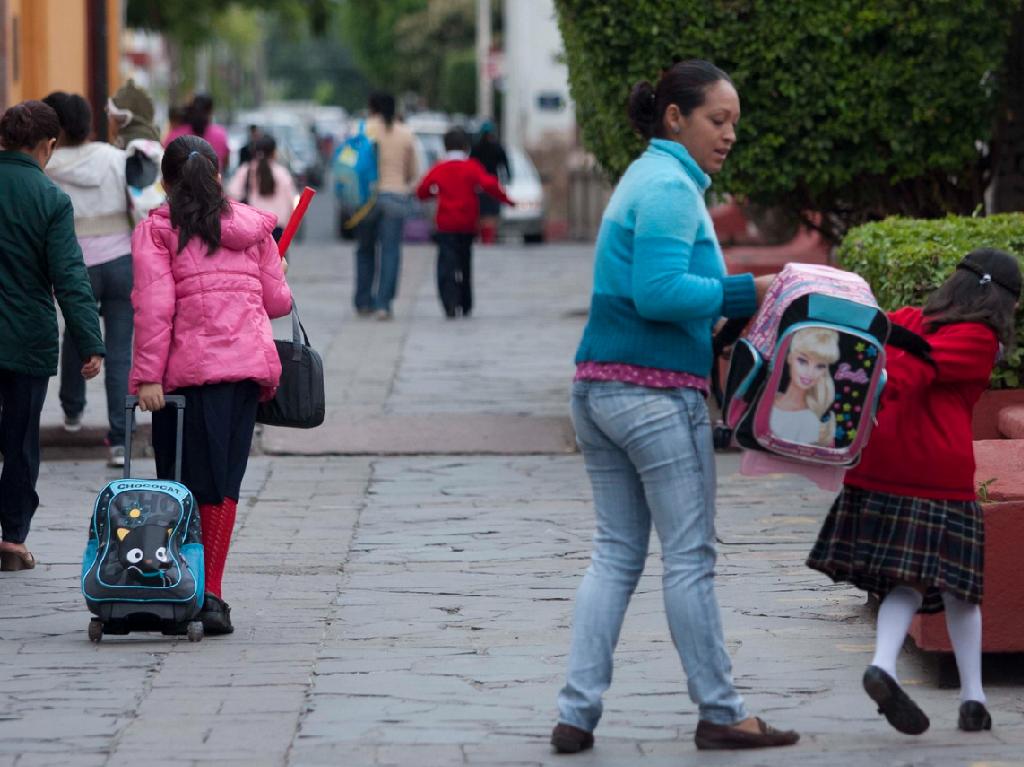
{"x": 906, "y": 526}
{"x": 455, "y": 181}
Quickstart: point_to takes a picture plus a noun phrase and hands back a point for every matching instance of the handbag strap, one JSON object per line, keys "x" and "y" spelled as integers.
{"x": 299, "y": 335}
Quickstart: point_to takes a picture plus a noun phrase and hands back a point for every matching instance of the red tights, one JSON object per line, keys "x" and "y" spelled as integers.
{"x": 217, "y": 520}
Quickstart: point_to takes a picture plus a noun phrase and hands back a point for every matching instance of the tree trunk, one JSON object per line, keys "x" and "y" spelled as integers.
{"x": 1008, "y": 138}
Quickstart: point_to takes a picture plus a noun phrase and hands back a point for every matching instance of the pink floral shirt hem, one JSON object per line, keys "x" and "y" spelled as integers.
{"x": 654, "y": 378}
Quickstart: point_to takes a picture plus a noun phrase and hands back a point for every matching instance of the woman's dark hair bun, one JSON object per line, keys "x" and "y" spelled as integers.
{"x": 643, "y": 113}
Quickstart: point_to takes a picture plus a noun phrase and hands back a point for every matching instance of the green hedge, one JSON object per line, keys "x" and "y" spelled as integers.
{"x": 905, "y": 259}
{"x": 857, "y": 109}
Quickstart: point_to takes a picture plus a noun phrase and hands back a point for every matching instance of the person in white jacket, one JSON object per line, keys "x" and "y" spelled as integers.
{"x": 93, "y": 175}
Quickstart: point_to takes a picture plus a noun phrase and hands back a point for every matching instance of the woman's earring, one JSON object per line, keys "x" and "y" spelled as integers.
{"x": 675, "y": 129}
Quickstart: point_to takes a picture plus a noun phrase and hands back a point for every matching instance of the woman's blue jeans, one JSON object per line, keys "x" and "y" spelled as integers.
{"x": 112, "y": 287}
{"x": 649, "y": 456}
{"x": 377, "y": 276}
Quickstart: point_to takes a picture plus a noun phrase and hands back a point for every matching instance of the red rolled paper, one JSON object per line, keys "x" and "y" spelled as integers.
{"x": 295, "y": 220}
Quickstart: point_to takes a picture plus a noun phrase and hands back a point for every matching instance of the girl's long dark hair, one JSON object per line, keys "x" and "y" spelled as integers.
{"x": 966, "y": 296}
{"x": 265, "y": 148}
{"x": 194, "y": 191}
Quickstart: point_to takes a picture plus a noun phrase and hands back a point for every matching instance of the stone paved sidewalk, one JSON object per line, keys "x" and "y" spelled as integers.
{"x": 414, "y": 610}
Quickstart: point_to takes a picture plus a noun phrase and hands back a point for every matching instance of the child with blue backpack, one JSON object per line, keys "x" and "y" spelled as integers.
{"x": 907, "y": 526}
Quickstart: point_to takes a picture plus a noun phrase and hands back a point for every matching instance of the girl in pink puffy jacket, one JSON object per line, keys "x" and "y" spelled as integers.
{"x": 208, "y": 280}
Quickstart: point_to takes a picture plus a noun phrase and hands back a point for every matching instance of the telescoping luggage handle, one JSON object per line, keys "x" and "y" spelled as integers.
{"x": 130, "y": 403}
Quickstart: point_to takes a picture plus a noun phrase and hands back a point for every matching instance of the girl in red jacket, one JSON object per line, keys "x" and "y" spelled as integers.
{"x": 906, "y": 526}
{"x": 208, "y": 278}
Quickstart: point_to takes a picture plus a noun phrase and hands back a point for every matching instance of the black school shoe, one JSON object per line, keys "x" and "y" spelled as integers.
{"x": 216, "y": 616}
{"x": 893, "y": 703}
{"x": 974, "y": 717}
{"x": 571, "y": 740}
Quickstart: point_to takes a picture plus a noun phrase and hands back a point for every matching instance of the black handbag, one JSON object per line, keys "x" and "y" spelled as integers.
{"x": 299, "y": 402}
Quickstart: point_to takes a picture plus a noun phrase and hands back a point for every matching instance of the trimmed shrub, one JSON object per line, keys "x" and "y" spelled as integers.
{"x": 905, "y": 259}
{"x": 856, "y": 109}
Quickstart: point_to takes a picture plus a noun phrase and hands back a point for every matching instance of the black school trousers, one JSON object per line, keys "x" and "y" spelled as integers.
{"x": 455, "y": 272}
{"x": 21, "y": 402}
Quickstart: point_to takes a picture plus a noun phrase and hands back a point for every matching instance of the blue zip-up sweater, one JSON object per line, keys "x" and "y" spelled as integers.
{"x": 659, "y": 276}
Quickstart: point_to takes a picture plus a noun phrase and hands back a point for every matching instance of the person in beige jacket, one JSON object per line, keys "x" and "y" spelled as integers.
{"x": 379, "y": 234}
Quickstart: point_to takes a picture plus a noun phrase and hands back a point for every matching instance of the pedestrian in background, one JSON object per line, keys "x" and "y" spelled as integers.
{"x": 130, "y": 121}
{"x": 638, "y": 407}
{"x": 265, "y": 184}
{"x": 456, "y": 181}
{"x": 39, "y": 258}
{"x": 379, "y": 234}
{"x": 92, "y": 173}
{"x": 489, "y": 152}
{"x": 906, "y": 526}
{"x": 248, "y": 152}
{"x": 208, "y": 279}
{"x": 198, "y": 121}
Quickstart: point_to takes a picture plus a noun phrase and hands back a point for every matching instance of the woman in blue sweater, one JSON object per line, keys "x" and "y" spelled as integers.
{"x": 638, "y": 406}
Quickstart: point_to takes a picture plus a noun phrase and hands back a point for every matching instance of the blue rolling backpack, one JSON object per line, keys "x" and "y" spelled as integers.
{"x": 143, "y": 564}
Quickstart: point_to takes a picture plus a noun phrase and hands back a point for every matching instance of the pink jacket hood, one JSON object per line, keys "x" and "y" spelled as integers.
{"x": 204, "y": 318}
{"x": 242, "y": 227}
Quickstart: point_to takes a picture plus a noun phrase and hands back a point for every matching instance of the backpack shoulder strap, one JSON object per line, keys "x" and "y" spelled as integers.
{"x": 910, "y": 342}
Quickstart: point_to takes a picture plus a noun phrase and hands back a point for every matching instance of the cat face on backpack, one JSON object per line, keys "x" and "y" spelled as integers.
{"x": 143, "y": 550}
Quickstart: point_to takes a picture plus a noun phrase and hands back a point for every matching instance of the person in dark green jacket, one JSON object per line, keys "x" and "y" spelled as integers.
{"x": 39, "y": 259}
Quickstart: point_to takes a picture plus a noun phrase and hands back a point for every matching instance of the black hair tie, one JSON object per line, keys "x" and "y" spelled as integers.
{"x": 985, "y": 278}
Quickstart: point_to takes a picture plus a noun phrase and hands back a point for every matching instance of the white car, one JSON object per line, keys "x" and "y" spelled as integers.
{"x": 526, "y": 219}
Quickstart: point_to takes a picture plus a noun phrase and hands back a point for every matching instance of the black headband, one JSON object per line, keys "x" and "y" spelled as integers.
{"x": 986, "y": 277}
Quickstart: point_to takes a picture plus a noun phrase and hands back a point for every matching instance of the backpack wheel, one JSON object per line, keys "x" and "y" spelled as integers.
{"x": 195, "y": 631}
{"x": 95, "y": 630}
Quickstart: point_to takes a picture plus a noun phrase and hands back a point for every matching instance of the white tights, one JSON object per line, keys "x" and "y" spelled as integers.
{"x": 963, "y": 621}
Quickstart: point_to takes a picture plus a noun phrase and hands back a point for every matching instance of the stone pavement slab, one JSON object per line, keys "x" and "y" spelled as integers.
{"x": 416, "y": 610}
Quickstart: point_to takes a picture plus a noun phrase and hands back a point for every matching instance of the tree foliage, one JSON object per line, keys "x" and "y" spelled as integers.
{"x": 193, "y": 22}
{"x": 854, "y": 109}
{"x": 416, "y": 46}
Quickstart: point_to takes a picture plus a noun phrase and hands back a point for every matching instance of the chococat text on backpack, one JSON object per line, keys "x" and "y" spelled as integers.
{"x": 806, "y": 377}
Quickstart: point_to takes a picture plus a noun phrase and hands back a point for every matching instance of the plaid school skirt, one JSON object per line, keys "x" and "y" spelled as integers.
{"x": 876, "y": 540}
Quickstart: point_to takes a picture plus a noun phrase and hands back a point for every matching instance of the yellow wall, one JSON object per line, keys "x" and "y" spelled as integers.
{"x": 54, "y": 47}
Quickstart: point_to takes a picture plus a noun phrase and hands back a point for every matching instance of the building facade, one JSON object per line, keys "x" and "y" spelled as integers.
{"x": 68, "y": 45}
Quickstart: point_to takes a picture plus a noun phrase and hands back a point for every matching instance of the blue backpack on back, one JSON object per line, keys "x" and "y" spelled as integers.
{"x": 355, "y": 177}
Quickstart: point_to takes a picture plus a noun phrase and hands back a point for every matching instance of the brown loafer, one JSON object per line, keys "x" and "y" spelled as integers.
{"x": 723, "y": 736}
{"x": 16, "y": 560}
{"x": 571, "y": 740}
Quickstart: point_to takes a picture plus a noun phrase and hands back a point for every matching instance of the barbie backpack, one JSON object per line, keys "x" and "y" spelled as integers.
{"x": 805, "y": 379}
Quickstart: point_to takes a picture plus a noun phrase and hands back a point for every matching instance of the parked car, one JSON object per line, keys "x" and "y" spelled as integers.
{"x": 524, "y": 187}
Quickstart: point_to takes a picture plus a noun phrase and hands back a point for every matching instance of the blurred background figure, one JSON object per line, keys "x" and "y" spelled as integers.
{"x": 265, "y": 184}
{"x": 199, "y": 122}
{"x": 92, "y": 173}
{"x": 247, "y": 152}
{"x": 377, "y": 272}
{"x": 130, "y": 116}
{"x": 489, "y": 152}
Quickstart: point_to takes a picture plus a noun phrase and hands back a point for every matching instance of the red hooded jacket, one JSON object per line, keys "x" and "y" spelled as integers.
{"x": 923, "y": 445}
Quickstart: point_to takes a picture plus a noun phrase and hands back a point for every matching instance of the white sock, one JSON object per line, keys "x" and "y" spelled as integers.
{"x": 894, "y": 616}
{"x": 963, "y": 622}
